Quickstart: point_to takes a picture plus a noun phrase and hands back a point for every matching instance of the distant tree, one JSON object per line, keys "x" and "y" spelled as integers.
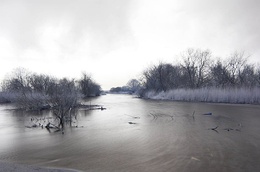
{"x": 41, "y": 83}
{"x": 115, "y": 89}
{"x": 88, "y": 87}
{"x": 219, "y": 75}
{"x": 247, "y": 77}
{"x": 134, "y": 85}
{"x": 235, "y": 64}
{"x": 175, "y": 77}
{"x": 163, "y": 77}
{"x": 257, "y": 75}
{"x": 150, "y": 79}
{"x": 196, "y": 65}
{"x": 164, "y": 74}
{"x": 84, "y": 84}
{"x": 18, "y": 81}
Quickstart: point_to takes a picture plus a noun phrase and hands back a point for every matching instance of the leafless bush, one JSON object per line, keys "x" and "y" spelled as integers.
{"x": 36, "y": 92}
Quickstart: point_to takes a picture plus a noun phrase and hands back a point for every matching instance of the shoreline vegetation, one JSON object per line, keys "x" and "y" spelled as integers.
{"x": 200, "y": 77}
{"x": 209, "y": 95}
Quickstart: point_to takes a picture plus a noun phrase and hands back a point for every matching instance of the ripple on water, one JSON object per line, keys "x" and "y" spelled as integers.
{"x": 163, "y": 136}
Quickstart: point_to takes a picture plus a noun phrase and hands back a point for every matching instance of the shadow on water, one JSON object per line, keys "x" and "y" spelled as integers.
{"x": 139, "y": 135}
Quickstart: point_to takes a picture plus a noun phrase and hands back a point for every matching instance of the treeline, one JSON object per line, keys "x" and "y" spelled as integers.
{"x": 132, "y": 87}
{"x": 33, "y": 91}
{"x": 202, "y": 77}
{"x": 198, "y": 69}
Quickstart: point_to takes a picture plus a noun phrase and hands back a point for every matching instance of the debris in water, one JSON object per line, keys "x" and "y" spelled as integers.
{"x": 209, "y": 113}
{"x": 214, "y": 129}
{"x": 228, "y": 129}
{"x": 194, "y": 158}
{"x": 131, "y": 123}
{"x": 193, "y": 115}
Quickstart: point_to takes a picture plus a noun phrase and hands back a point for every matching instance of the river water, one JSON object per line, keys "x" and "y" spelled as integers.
{"x": 138, "y": 135}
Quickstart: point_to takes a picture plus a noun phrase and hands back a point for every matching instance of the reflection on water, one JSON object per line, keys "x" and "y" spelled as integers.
{"x": 139, "y": 135}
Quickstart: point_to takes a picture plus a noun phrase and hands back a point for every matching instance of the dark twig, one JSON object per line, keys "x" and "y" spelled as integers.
{"x": 214, "y": 129}
{"x": 193, "y": 115}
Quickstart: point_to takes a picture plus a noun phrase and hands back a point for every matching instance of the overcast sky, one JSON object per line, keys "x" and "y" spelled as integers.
{"x": 115, "y": 40}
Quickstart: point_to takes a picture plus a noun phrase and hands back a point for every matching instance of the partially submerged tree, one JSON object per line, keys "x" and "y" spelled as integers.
{"x": 64, "y": 98}
{"x": 37, "y": 92}
{"x": 88, "y": 87}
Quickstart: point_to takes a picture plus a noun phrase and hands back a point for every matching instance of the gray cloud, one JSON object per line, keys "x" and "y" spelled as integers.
{"x": 74, "y": 33}
{"x": 234, "y": 21}
{"x": 104, "y": 23}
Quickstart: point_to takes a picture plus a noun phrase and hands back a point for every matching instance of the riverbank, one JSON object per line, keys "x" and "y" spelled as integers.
{"x": 5, "y": 166}
{"x": 211, "y": 95}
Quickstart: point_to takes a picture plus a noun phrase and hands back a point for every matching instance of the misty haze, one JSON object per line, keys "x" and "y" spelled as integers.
{"x": 129, "y": 85}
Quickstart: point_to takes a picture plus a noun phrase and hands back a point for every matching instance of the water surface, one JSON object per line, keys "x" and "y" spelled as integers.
{"x": 138, "y": 135}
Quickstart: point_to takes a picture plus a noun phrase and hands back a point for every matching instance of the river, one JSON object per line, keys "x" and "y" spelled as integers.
{"x": 138, "y": 135}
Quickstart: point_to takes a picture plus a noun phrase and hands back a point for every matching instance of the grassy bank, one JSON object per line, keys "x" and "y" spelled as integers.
{"x": 216, "y": 95}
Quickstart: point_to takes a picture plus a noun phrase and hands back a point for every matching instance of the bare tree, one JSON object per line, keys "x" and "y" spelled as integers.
{"x": 235, "y": 64}
{"x": 219, "y": 75}
{"x": 247, "y": 77}
{"x": 257, "y": 75}
{"x": 196, "y": 63}
{"x": 150, "y": 79}
{"x": 134, "y": 85}
{"x": 63, "y": 99}
{"x": 18, "y": 81}
{"x": 88, "y": 87}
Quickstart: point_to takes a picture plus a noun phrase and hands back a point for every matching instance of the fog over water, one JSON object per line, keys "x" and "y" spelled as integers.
{"x": 139, "y": 135}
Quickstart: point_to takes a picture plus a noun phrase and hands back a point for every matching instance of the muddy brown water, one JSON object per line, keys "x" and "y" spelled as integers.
{"x": 138, "y": 135}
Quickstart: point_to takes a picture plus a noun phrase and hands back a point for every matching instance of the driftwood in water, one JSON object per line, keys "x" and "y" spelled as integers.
{"x": 132, "y": 123}
{"x": 193, "y": 115}
{"x": 32, "y": 126}
{"x": 51, "y": 126}
{"x": 214, "y": 129}
{"x": 228, "y": 129}
{"x": 90, "y": 107}
{"x": 209, "y": 113}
